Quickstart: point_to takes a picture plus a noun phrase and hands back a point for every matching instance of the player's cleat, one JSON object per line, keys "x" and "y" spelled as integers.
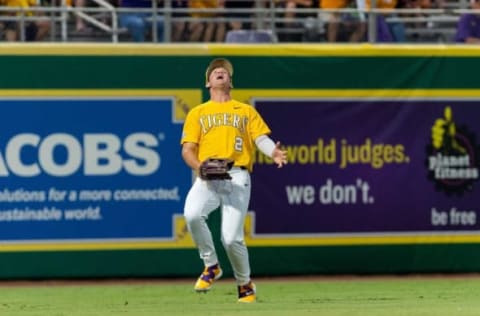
{"x": 247, "y": 293}
{"x": 208, "y": 276}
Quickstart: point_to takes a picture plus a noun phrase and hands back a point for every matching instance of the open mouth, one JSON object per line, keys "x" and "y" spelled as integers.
{"x": 219, "y": 77}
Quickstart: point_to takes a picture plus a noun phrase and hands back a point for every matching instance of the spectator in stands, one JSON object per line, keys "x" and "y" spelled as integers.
{"x": 384, "y": 32}
{"x": 289, "y": 23}
{"x": 357, "y": 24}
{"x": 384, "y": 35}
{"x": 79, "y": 23}
{"x": 238, "y": 20}
{"x": 292, "y": 17}
{"x": 33, "y": 31}
{"x": 397, "y": 28}
{"x": 205, "y": 30}
{"x": 179, "y": 26}
{"x": 468, "y": 27}
{"x": 140, "y": 23}
{"x": 419, "y": 4}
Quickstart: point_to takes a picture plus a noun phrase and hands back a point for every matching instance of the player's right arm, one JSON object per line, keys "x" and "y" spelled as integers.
{"x": 190, "y": 140}
{"x": 190, "y": 155}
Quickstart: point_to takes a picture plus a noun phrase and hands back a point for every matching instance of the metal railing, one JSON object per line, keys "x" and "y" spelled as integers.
{"x": 106, "y": 7}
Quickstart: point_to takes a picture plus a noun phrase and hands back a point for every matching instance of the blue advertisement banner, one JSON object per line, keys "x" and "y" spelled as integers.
{"x": 368, "y": 167}
{"x": 90, "y": 169}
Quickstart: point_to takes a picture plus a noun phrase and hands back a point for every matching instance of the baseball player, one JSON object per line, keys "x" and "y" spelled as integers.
{"x": 226, "y": 129}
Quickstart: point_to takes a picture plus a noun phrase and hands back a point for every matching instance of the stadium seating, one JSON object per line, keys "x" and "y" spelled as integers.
{"x": 250, "y": 36}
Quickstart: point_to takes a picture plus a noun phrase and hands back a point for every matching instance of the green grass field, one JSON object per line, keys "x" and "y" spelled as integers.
{"x": 389, "y": 296}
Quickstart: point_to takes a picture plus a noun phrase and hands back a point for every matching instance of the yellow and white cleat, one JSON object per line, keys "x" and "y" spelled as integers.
{"x": 247, "y": 293}
{"x": 208, "y": 276}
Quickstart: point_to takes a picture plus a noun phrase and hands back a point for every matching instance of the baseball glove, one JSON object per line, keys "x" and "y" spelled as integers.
{"x": 215, "y": 169}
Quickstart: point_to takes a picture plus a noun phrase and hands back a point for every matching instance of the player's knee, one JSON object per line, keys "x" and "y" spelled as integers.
{"x": 230, "y": 242}
{"x": 192, "y": 217}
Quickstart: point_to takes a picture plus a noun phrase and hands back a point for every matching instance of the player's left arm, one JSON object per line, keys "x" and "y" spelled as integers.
{"x": 279, "y": 155}
{"x": 273, "y": 150}
{"x": 260, "y": 131}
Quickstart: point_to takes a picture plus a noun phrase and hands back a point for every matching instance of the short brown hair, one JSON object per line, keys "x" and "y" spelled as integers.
{"x": 219, "y": 63}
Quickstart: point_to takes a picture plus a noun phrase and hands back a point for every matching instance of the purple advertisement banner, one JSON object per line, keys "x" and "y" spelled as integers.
{"x": 369, "y": 166}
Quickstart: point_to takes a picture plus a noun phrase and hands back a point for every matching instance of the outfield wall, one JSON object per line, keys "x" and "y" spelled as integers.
{"x": 382, "y": 142}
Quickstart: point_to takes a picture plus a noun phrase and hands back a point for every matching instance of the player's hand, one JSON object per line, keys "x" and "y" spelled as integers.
{"x": 279, "y": 155}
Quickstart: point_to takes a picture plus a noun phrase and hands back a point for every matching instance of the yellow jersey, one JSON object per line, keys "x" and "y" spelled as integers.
{"x": 225, "y": 130}
{"x": 20, "y": 3}
{"x": 383, "y": 4}
{"x": 203, "y": 4}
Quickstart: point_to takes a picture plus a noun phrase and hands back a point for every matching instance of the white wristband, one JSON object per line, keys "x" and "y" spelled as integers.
{"x": 265, "y": 144}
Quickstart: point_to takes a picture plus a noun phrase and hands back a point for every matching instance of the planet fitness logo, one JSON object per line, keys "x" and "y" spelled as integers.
{"x": 452, "y": 157}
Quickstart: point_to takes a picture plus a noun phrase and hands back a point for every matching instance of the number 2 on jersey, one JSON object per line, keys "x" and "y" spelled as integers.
{"x": 238, "y": 143}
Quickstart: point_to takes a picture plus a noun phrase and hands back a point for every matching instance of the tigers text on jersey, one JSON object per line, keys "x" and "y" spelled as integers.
{"x": 224, "y": 130}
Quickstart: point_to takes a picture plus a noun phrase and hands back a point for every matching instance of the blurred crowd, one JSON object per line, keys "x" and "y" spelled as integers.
{"x": 212, "y": 20}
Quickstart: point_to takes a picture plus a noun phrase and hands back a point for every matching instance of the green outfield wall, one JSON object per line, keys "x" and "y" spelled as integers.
{"x": 321, "y": 73}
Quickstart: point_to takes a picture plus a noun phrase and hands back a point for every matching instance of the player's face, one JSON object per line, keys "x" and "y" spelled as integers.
{"x": 219, "y": 78}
